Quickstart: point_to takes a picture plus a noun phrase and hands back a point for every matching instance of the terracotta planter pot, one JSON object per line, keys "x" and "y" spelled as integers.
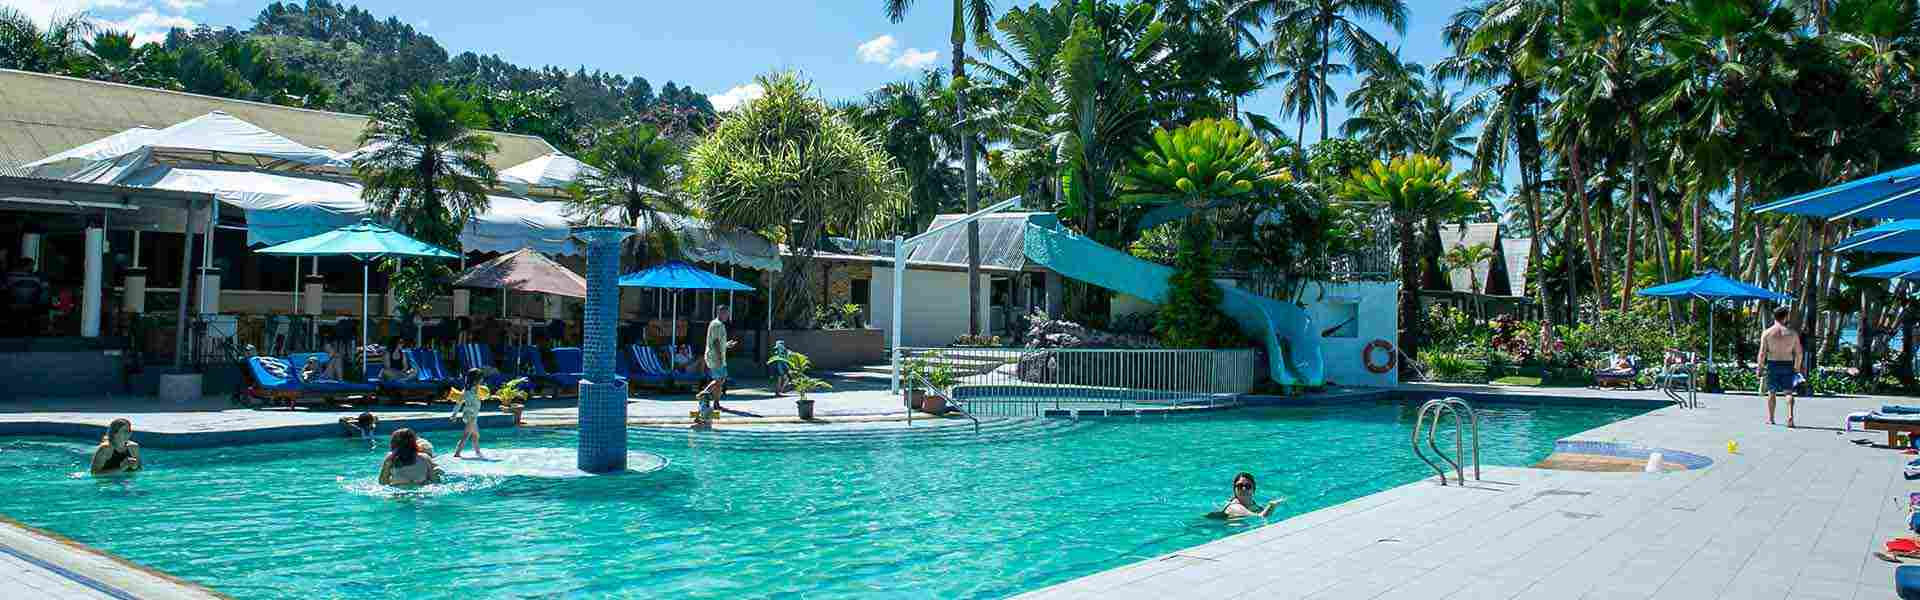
{"x": 934, "y": 405}
{"x": 915, "y": 398}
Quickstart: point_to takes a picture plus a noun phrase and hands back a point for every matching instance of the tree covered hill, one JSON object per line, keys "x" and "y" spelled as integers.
{"x": 327, "y": 55}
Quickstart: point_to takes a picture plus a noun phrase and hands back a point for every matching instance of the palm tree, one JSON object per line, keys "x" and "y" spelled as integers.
{"x": 1303, "y": 83}
{"x": 26, "y": 46}
{"x": 971, "y": 18}
{"x": 1413, "y": 187}
{"x": 1327, "y": 26}
{"x": 424, "y": 168}
{"x": 789, "y": 166}
{"x": 633, "y": 171}
{"x": 115, "y": 56}
{"x": 1463, "y": 256}
{"x": 903, "y": 116}
{"x": 1880, "y": 36}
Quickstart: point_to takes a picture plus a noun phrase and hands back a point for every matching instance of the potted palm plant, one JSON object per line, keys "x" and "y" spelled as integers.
{"x": 801, "y": 383}
{"x": 941, "y": 378}
{"x": 512, "y": 397}
{"x": 912, "y": 370}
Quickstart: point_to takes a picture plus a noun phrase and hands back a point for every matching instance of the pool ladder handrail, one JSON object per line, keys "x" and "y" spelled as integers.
{"x": 952, "y": 401}
{"x": 1450, "y": 405}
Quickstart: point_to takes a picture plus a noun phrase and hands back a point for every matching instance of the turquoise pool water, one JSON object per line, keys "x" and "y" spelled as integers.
{"x": 944, "y": 514}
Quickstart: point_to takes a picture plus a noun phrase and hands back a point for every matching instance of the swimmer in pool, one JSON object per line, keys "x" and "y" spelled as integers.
{"x": 1242, "y": 503}
{"x": 405, "y": 464}
{"x": 117, "y": 454}
{"x": 359, "y": 427}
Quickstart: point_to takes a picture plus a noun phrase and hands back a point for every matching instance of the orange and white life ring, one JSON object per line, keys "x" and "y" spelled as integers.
{"x": 1366, "y": 356}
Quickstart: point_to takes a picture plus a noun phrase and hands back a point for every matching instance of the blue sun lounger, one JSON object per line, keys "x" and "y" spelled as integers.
{"x": 1906, "y": 582}
{"x": 474, "y": 355}
{"x": 569, "y": 367}
{"x": 420, "y": 385}
{"x": 270, "y": 379}
{"x": 635, "y": 371}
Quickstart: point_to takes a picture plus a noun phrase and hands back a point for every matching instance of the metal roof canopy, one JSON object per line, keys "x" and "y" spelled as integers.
{"x": 35, "y": 194}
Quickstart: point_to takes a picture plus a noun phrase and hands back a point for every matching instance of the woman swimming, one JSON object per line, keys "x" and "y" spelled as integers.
{"x": 1242, "y": 503}
{"x": 117, "y": 454}
{"x": 469, "y": 411}
{"x": 406, "y": 464}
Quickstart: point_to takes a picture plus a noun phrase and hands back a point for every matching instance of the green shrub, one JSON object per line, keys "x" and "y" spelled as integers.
{"x": 1451, "y": 367}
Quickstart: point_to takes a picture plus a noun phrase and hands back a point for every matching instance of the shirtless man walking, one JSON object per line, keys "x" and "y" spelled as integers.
{"x": 1780, "y": 359}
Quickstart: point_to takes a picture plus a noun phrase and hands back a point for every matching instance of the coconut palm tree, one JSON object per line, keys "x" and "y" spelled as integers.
{"x": 1413, "y": 188}
{"x": 423, "y": 163}
{"x": 1881, "y": 37}
{"x": 633, "y": 171}
{"x": 1326, "y": 26}
{"x": 902, "y": 115}
{"x": 115, "y": 56}
{"x": 971, "y": 19}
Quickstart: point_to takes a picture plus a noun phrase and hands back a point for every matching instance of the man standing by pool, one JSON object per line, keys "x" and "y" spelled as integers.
{"x": 1780, "y": 360}
{"x": 716, "y": 357}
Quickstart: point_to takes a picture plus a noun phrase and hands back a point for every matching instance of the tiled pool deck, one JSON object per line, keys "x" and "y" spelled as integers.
{"x": 1795, "y": 514}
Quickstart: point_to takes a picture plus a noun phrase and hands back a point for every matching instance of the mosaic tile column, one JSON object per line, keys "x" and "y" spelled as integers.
{"x": 603, "y": 401}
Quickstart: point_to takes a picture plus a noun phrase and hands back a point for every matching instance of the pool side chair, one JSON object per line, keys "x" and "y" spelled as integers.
{"x": 427, "y": 360}
{"x": 1893, "y": 424}
{"x": 694, "y": 378}
{"x": 569, "y": 368}
{"x": 475, "y": 355}
{"x": 418, "y": 386}
{"x": 630, "y": 368}
{"x": 1627, "y": 377}
{"x": 533, "y": 368}
{"x": 1906, "y": 582}
{"x": 274, "y": 380}
{"x": 646, "y": 367}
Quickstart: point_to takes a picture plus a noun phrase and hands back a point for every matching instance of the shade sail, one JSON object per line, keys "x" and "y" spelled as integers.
{"x": 678, "y": 275}
{"x": 524, "y": 270}
{"x": 64, "y": 164}
{"x": 1712, "y": 285}
{"x": 1908, "y": 269}
{"x": 1896, "y": 237}
{"x": 365, "y": 240}
{"x": 1891, "y": 195}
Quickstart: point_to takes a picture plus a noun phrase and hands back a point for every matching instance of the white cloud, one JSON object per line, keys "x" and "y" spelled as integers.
{"x": 737, "y": 96}
{"x": 915, "y": 58}
{"x": 42, "y": 11}
{"x": 181, "y": 6}
{"x": 148, "y": 26}
{"x": 877, "y": 50}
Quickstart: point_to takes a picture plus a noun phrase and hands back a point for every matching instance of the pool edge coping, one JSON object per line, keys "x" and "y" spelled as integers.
{"x": 165, "y": 585}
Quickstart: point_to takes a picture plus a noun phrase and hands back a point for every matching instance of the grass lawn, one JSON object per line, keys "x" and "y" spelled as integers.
{"x": 1518, "y": 380}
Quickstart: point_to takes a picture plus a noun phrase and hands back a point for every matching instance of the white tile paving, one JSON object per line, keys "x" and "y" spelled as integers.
{"x": 1795, "y": 514}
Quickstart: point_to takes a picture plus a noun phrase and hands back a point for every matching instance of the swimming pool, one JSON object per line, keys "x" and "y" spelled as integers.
{"x": 944, "y": 513}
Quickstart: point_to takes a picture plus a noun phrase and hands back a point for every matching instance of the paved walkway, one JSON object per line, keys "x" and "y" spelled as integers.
{"x": 1794, "y": 514}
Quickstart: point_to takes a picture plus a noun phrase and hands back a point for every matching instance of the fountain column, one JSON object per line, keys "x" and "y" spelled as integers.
{"x": 603, "y": 400}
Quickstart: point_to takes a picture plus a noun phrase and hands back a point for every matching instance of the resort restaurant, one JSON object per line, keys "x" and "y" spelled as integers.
{"x": 118, "y": 272}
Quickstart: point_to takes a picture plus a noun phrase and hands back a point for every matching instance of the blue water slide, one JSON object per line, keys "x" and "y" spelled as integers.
{"x": 1293, "y": 345}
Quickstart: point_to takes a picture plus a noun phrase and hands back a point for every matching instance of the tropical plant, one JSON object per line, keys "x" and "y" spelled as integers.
{"x": 788, "y": 166}
{"x": 27, "y": 46}
{"x": 1413, "y": 187}
{"x": 633, "y": 172}
{"x": 115, "y": 56}
{"x": 1463, "y": 256}
{"x": 906, "y": 117}
{"x": 797, "y": 378}
{"x": 423, "y": 162}
{"x": 1323, "y": 27}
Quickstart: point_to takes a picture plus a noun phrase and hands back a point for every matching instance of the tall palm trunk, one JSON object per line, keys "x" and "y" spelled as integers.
{"x": 1657, "y": 224}
{"x": 1734, "y": 239}
{"x": 1594, "y": 251}
{"x": 1410, "y": 325}
{"x": 966, "y": 152}
{"x": 1632, "y": 242}
{"x": 1528, "y": 144}
{"x": 1326, "y": 60}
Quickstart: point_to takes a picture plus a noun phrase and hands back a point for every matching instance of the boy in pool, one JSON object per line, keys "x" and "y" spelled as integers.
{"x": 469, "y": 411}
{"x": 359, "y": 427}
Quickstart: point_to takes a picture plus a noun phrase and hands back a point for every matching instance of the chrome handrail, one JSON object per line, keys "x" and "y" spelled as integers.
{"x": 947, "y": 393}
{"x": 1449, "y": 406}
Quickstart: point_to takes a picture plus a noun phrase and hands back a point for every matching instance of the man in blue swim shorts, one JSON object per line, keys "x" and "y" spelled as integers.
{"x": 1780, "y": 362}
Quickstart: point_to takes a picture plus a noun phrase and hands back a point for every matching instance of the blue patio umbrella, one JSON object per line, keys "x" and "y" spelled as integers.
{"x": 1894, "y": 237}
{"x": 1712, "y": 286}
{"x": 1908, "y": 269}
{"x": 364, "y": 241}
{"x": 677, "y": 275}
{"x": 1890, "y": 195}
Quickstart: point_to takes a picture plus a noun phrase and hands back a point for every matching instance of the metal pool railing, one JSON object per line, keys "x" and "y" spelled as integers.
{"x": 1030, "y": 382}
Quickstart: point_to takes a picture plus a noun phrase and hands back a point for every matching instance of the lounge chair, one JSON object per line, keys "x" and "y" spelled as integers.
{"x": 530, "y": 366}
{"x": 1906, "y": 582}
{"x": 687, "y": 375}
{"x": 1628, "y": 377}
{"x": 569, "y": 367}
{"x": 636, "y": 372}
{"x": 1893, "y": 424}
{"x": 269, "y": 379}
{"x": 427, "y": 361}
{"x": 474, "y": 355}
{"x": 421, "y": 385}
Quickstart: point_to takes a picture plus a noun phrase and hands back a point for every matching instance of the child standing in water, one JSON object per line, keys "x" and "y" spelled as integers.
{"x": 469, "y": 410}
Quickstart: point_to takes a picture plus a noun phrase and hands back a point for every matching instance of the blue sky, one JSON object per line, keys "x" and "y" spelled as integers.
{"x": 846, "y": 47}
